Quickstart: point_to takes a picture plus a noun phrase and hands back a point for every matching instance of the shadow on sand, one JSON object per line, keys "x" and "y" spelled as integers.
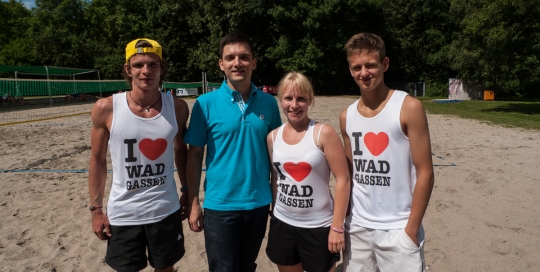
{"x": 517, "y": 107}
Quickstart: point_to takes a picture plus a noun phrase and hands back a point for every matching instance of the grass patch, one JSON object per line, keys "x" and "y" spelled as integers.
{"x": 522, "y": 114}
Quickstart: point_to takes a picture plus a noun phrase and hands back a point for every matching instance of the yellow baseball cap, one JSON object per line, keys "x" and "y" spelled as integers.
{"x": 132, "y": 50}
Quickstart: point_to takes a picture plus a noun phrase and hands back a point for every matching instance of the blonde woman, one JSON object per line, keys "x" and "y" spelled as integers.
{"x": 306, "y": 229}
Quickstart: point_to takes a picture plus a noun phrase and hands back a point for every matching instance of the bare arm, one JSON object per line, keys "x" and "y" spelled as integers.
{"x": 335, "y": 156}
{"x": 273, "y": 175}
{"x": 348, "y": 151}
{"x": 415, "y": 126}
{"x": 181, "y": 151}
{"x": 97, "y": 175}
{"x": 193, "y": 172}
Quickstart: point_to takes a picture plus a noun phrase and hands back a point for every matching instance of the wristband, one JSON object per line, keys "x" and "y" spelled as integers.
{"x": 183, "y": 189}
{"x": 93, "y": 208}
{"x": 337, "y": 230}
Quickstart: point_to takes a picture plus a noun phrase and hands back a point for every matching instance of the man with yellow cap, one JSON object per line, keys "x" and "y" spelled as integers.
{"x": 144, "y": 130}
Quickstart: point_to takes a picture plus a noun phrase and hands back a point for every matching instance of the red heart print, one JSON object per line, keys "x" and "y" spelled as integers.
{"x": 153, "y": 149}
{"x": 298, "y": 171}
{"x": 376, "y": 143}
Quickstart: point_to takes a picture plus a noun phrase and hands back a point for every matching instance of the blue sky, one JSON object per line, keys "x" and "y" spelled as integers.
{"x": 29, "y": 3}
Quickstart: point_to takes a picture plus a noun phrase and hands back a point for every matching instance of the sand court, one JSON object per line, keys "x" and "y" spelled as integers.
{"x": 483, "y": 214}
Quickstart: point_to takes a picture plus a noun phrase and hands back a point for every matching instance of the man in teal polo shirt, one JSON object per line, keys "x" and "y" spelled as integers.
{"x": 232, "y": 122}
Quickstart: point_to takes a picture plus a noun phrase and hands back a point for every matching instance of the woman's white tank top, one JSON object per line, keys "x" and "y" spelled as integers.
{"x": 303, "y": 198}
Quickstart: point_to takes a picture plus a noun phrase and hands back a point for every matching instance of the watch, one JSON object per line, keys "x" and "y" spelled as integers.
{"x": 93, "y": 208}
{"x": 183, "y": 189}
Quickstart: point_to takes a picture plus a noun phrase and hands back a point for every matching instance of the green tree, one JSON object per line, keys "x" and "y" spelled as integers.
{"x": 308, "y": 36}
{"x": 15, "y": 41}
{"x": 57, "y": 32}
{"x": 418, "y": 32}
{"x": 169, "y": 25}
{"x": 111, "y": 25}
{"x": 14, "y": 17}
{"x": 498, "y": 44}
{"x": 115, "y": 23}
{"x": 209, "y": 21}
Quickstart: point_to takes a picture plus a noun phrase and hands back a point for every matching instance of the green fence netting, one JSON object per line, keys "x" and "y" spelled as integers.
{"x": 214, "y": 84}
{"x": 32, "y": 87}
{"x": 176, "y": 85}
{"x": 27, "y": 87}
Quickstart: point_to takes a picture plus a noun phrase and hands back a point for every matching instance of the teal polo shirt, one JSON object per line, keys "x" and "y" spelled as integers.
{"x": 237, "y": 161}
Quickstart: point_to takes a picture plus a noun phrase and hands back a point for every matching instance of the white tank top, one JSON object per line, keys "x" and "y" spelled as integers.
{"x": 303, "y": 198}
{"x": 143, "y": 189}
{"x": 384, "y": 175}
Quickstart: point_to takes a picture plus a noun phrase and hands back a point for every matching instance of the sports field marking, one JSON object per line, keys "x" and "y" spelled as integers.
{"x": 43, "y": 119}
{"x": 440, "y": 157}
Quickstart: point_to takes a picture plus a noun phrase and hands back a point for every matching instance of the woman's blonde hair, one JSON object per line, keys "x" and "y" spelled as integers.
{"x": 300, "y": 82}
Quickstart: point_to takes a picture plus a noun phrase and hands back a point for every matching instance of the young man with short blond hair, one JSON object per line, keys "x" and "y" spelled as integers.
{"x": 388, "y": 148}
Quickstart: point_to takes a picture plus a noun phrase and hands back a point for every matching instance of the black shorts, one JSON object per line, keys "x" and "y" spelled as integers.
{"x": 290, "y": 245}
{"x": 126, "y": 249}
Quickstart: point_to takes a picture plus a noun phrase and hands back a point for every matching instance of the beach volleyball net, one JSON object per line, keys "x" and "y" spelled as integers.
{"x": 30, "y": 100}
{"x": 26, "y": 100}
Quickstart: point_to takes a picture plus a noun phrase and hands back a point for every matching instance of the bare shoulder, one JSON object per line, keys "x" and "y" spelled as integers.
{"x": 325, "y": 129}
{"x": 412, "y": 105}
{"x": 103, "y": 105}
{"x": 343, "y": 114}
{"x": 343, "y": 122}
{"x": 272, "y": 134}
{"x": 102, "y": 111}
{"x": 413, "y": 117}
{"x": 181, "y": 109}
{"x": 270, "y": 138}
{"x": 328, "y": 136}
{"x": 180, "y": 104}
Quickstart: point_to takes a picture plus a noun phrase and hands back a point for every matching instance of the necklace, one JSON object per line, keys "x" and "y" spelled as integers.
{"x": 146, "y": 108}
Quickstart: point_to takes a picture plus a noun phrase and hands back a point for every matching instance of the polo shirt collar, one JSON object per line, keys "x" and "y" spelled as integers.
{"x": 229, "y": 91}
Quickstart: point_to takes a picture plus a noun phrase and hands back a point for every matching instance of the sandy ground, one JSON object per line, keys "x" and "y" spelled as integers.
{"x": 483, "y": 215}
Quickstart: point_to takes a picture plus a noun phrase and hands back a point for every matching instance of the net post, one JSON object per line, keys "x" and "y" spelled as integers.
{"x": 48, "y": 85}
{"x": 203, "y": 82}
{"x": 99, "y": 84}
{"x": 74, "y": 86}
{"x": 16, "y": 84}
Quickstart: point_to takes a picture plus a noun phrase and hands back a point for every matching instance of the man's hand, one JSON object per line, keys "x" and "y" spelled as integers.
{"x": 100, "y": 225}
{"x": 196, "y": 222}
{"x": 184, "y": 209}
{"x": 413, "y": 234}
